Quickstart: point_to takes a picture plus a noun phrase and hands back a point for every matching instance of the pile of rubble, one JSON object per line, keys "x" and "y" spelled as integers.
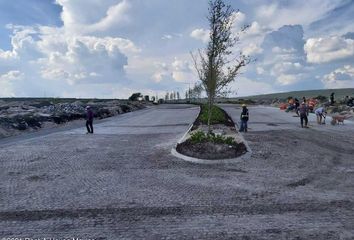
{"x": 16, "y": 116}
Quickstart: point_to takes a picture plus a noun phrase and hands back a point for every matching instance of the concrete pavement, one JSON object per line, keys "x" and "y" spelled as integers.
{"x": 123, "y": 183}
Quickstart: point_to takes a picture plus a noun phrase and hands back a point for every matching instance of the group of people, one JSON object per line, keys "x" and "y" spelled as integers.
{"x": 302, "y": 110}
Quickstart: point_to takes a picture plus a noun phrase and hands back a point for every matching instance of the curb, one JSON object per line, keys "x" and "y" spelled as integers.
{"x": 245, "y": 156}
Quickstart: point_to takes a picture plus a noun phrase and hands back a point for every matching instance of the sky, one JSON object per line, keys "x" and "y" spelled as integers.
{"x": 113, "y": 48}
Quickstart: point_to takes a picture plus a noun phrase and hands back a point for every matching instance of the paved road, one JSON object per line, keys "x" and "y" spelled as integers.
{"x": 123, "y": 183}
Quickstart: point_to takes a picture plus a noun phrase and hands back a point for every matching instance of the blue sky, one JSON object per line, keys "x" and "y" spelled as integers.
{"x": 112, "y": 48}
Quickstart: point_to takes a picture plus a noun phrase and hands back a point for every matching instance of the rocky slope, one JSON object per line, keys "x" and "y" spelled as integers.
{"x": 24, "y": 115}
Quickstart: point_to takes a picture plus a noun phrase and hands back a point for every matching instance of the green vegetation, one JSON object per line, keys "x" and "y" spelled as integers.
{"x": 201, "y": 137}
{"x": 135, "y": 96}
{"x": 217, "y": 115}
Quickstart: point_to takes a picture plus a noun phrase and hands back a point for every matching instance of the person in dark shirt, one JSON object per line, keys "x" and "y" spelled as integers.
{"x": 332, "y": 98}
{"x": 244, "y": 118}
{"x": 304, "y": 112}
{"x": 89, "y": 120}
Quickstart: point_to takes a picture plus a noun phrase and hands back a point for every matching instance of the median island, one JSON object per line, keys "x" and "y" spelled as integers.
{"x": 221, "y": 141}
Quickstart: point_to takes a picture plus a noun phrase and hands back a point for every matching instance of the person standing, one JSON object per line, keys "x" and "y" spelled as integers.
{"x": 332, "y": 98}
{"x": 304, "y": 112}
{"x": 244, "y": 118}
{"x": 89, "y": 120}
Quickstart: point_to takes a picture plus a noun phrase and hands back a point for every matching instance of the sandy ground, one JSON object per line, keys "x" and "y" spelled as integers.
{"x": 123, "y": 183}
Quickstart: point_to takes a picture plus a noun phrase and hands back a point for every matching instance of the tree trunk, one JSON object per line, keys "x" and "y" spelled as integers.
{"x": 209, "y": 115}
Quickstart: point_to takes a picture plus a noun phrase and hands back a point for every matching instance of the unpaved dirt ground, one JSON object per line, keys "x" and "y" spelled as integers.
{"x": 123, "y": 183}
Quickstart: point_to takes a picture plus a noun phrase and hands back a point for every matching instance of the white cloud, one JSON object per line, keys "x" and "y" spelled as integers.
{"x": 12, "y": 75}
{"x": 182, "y": 70}
{"x": 256, "y": 29}
{"x": 321, "y": 50}
{"x": 286, "y": 67}
{"x": 87, "y": 59}
{"x": 238, "y": 18}
{"x": 200, "y": 34}
{"x": 162, "y": 72}
{"x": 8, "y": 82}
{"x": 266, "y": 11}
{"x": 115, "y": 15}
{"x": 287, "y": 79}
{"x": 167, "y": 37}
{"x": 160, "y": 76}
{"x": 260, "y": 70}
{"x": 57, "y": 58}
{"x": 5, "y": 55}
{"x": 246, "y": 87}
{"x": 87, "y": 16}
{"x": 301, "y": 12}
{"x": 178, "y": 70}
{"x": 340, "y": 78}
{"x": 252, "y": 49}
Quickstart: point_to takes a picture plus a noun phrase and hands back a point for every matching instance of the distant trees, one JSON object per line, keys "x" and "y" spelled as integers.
{"x": 216, "y": 65}
{"x": 196, "y": 91}
{"x": 172, "y": 96}
{"x": 135, "y": 96}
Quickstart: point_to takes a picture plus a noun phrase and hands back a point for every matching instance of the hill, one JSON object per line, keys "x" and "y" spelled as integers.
{"x": 339, "y": 94}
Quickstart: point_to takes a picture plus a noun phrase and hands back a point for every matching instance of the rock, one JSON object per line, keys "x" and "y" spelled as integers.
{"x": 20, "y": 126}
{"x": 125, "y": 108}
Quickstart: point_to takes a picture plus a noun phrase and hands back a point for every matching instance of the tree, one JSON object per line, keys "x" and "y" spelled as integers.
{"x": 197, "y": 90}
{"x": 167, "y": 96}
{"x": 171, "y": 96}
{"x": 135, "y": 96}
{"x": 178, "y": 96}
{"x": 216, "y": 65}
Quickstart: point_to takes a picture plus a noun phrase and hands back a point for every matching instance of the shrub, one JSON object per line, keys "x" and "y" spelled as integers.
{"x": 135, "y": 97}
{"x": 200, "y": 137}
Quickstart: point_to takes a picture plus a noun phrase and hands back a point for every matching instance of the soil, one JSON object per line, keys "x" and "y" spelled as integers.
{"x": 211, "y": 151}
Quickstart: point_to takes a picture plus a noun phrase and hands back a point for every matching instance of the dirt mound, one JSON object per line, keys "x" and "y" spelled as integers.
{"x": 211, "y": 151}
{"x": 32, "y": 114}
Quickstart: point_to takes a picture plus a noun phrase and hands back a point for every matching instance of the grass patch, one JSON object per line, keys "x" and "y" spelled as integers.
{"x": 217, "y": 115}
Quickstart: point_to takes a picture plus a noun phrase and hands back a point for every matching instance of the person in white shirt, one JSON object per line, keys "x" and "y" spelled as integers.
{"x": 320, "y": 113}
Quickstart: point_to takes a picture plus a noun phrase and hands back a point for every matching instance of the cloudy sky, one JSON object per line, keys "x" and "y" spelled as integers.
{"x": 111, "y": 48}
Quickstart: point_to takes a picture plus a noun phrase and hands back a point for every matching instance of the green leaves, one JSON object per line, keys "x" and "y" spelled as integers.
{"x": 200, "y": 137}
{"x": 217, "y": 115}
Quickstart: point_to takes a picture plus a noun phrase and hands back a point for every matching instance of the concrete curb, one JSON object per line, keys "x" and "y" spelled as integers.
{"x": 174, "y": 152}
